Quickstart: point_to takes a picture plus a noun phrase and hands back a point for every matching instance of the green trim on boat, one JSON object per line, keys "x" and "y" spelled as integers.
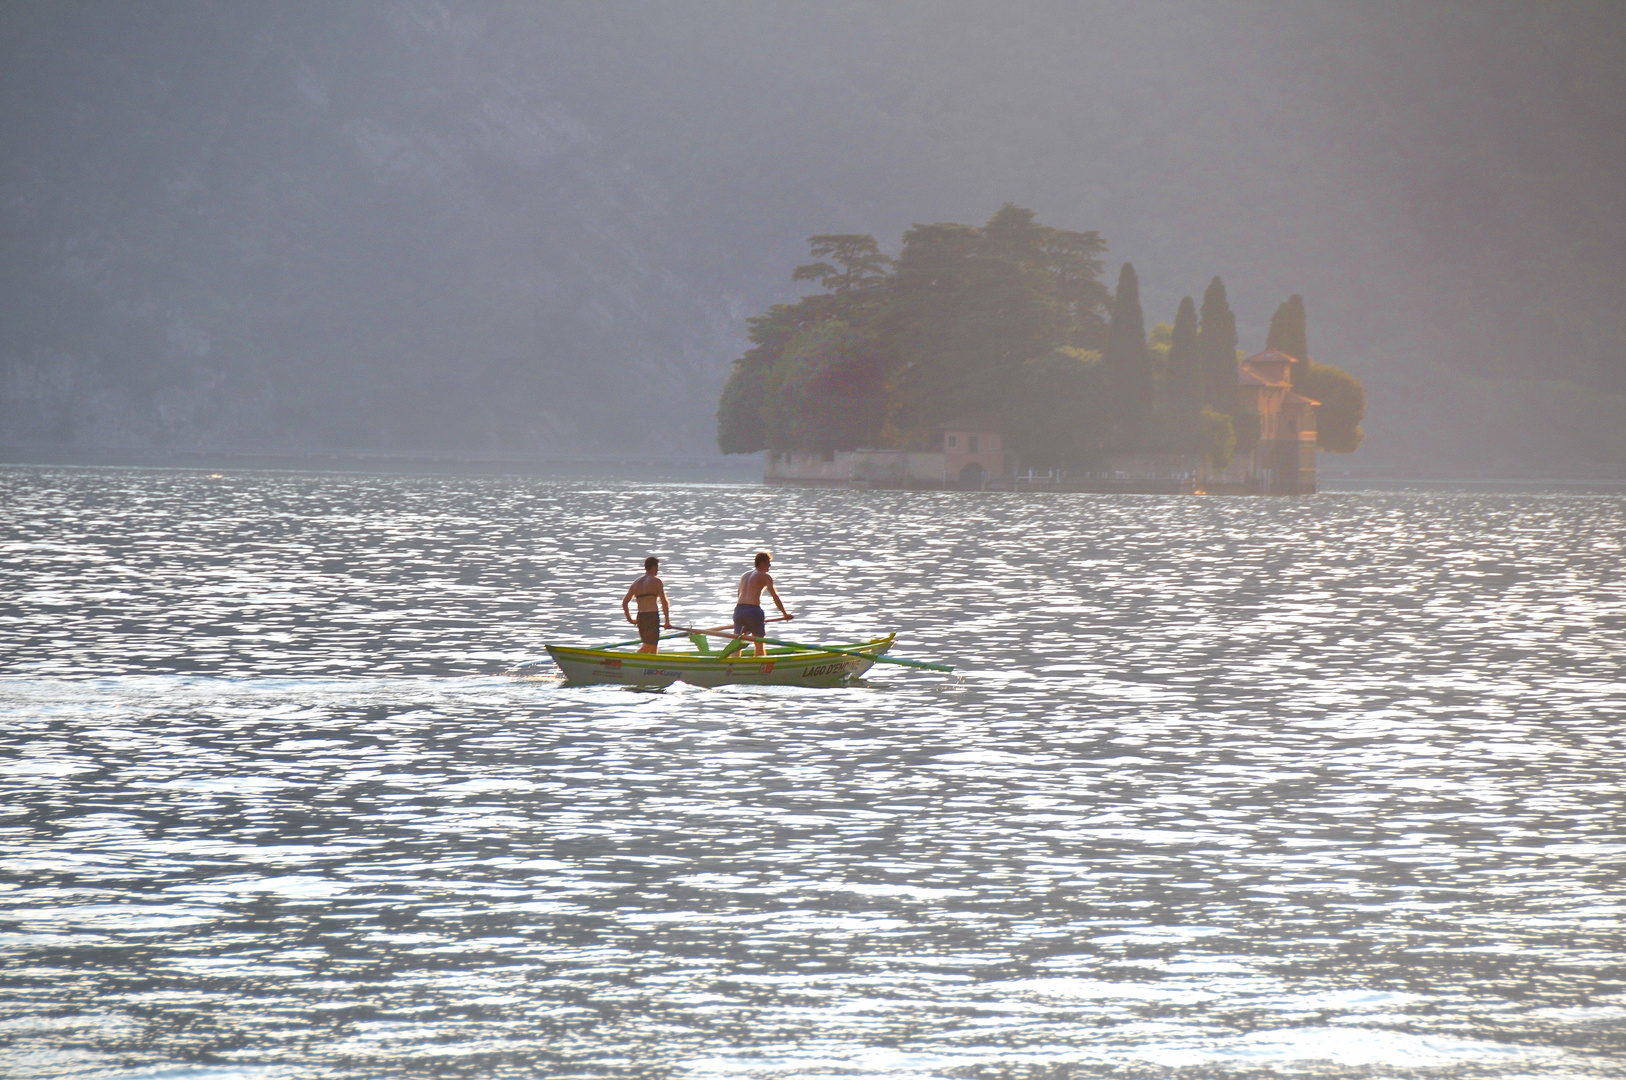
{"x": 782, "y": 666}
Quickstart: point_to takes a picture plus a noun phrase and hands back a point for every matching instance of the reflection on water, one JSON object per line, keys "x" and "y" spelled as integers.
{"x": 1254, "y": 787}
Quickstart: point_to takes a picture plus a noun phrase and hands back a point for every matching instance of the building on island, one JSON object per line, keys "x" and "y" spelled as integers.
{"x": 972, "y": 455}
{"x": 1283, "y": 463}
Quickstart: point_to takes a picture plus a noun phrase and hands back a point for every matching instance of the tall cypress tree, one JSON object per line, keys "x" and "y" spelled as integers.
{"x": 1290, "y": 332}
{"x": 1185, "y": 363}
{"x": 1216, "y": 345}
{"x": 1129, "y": 370}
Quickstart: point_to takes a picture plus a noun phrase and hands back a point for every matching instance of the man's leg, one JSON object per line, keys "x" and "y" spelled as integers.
{"x": 758, "y": 631}
{"x": 741, "y": 628}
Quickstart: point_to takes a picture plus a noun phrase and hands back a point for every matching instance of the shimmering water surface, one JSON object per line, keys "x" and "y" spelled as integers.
{"x": 1229, "y": 787}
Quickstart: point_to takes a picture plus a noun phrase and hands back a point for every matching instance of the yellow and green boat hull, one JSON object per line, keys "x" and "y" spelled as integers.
{"x": 780, "y": 667}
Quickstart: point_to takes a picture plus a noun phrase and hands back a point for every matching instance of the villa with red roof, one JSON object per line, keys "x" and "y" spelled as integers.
{"x": 1284, "y": 461}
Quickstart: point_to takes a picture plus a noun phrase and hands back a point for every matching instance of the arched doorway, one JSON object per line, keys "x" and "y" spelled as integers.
{"x": 971, "y": 476}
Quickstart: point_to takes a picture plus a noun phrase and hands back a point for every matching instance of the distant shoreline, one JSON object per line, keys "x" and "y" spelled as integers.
{"x": 381, "y": 461}
{"x": 1366, "y": 483}
{"x": 743, "y": 468}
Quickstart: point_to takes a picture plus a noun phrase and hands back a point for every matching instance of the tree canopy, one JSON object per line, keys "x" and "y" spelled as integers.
{"x": 967, "y": 320}
{"x": 969, "y": 309}
{"x": 1343, "y": 405}
{"x": 1008, "y": 321}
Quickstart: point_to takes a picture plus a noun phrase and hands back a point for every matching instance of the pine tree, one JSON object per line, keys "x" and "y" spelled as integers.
{"x": 1185, "y": 375}
{"x": 1216, "y": 345}
{"x": 1289, "y": 332}
{"x": 860, "y": 269}
{"x": 1128, "y": 367}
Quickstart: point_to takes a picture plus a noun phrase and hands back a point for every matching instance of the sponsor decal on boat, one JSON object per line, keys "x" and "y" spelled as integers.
{"x": 824, "y": 669}
{"x": 610, "y": 661}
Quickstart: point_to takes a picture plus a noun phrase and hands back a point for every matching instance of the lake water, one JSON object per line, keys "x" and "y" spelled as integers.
{"x": 1225, "y": 787}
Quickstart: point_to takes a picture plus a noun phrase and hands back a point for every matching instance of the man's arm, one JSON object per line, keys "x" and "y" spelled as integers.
{"x": 778, "y": 603}
{"x": 666, "y": 606}
{"x": 626, "y": 600}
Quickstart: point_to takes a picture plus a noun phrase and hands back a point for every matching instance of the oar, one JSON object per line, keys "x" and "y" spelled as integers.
{"x": 613, "y": 645}
{"x": 679, "y": 632}
{"x": 877, "y": 657}
{"x": 718, "y": 631}
{"x": 640, "y": 641}
{"x": 682, "y": 632}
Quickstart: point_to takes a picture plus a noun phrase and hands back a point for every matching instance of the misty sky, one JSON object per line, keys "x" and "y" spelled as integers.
{"x": 539, "y": 228}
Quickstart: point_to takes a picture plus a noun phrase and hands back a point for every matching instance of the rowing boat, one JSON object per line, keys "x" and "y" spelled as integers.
{"x": 784, "y": 666}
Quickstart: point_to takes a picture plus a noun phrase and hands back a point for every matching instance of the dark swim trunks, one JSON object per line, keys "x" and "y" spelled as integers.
{"x": 748, "y": 619}
{"x": 649, "y": 627}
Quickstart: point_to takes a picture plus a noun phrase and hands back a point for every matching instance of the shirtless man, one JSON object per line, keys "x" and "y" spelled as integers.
{"x": 649, "y": 590}
{"x": 748, "y": 617}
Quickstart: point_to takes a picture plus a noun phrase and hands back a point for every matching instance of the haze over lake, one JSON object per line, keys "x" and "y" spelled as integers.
{"x": 538, "y": 229}
{"x": 1244, "y": 788}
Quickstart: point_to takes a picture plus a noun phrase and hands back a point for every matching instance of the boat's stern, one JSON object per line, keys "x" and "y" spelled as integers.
{"x": 585, "y": 666}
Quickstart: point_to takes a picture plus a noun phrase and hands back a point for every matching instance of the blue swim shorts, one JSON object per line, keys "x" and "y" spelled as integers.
{"x": 749, "y": 619}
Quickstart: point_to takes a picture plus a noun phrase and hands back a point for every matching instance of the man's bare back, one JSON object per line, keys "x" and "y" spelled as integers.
{"x": 653, "y": 608}
{"x": 647, "y": 590}
{"x": 748, "y": 618}
{"x": 752, "y": 582}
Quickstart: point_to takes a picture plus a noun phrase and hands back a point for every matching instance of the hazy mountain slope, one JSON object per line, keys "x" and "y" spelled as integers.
{"x": 541, "y": 226}
{"x": 345, "y": 225}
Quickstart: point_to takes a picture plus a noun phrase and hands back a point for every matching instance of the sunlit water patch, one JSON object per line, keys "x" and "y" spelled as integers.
{"x": 1252, "y": 787}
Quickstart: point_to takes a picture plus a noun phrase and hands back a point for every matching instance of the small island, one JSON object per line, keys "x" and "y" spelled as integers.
{"x": 995, "y": 356}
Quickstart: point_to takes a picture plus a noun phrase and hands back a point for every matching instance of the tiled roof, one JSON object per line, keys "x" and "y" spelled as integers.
{"x": 1255, "y": 370}
{"x": 1271, "y": 356}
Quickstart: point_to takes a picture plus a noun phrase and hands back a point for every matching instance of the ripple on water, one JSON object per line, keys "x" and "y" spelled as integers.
{"x": 1326, "y": 786}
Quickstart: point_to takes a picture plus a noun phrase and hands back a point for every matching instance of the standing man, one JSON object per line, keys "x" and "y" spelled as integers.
{"x": 748, "y": 617}
{"x": 649, "y": 590}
